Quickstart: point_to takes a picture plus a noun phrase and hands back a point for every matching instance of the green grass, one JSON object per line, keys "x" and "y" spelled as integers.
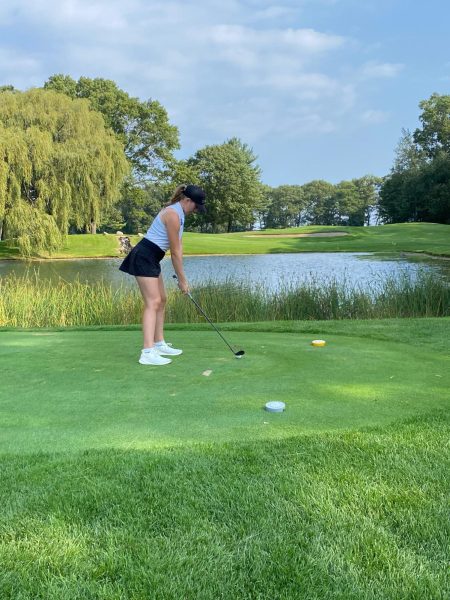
{"x": 428, "y": 238}
{"x": 345, "y": 516}
{"x": 86, "y": 389}
{"x": 403, "y": 237}
{"x": 126, "y": 482}
{"x": 77, "y": 246}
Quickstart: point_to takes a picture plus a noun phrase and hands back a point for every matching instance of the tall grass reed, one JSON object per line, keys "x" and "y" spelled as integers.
{"x": 29, "y": 301}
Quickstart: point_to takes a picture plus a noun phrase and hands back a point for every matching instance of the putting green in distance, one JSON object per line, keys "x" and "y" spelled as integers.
{"x": 76, "y": 390}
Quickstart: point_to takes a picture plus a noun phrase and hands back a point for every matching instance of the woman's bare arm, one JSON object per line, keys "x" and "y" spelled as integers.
{"x": 172, "y": 223}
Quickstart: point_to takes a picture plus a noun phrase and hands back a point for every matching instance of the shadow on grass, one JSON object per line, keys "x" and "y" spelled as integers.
{"x": 353, "y": 515}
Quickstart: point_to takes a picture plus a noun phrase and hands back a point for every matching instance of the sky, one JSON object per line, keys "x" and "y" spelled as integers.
{"x": 319, "y": 89}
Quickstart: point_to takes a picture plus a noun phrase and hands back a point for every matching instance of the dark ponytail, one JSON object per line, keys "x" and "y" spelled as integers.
{"x": 177, "y": 195}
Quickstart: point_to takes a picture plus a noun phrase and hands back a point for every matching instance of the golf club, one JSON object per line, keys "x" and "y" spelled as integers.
{"x": 239, "y": 353}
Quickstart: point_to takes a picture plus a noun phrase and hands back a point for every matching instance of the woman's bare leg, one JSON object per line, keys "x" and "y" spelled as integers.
{"x": 151, "y": 294}
{"x": 160, "y": 313}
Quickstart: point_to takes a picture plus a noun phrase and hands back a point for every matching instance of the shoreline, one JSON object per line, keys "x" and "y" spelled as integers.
{"x": 399, "y": 253}
{"x": 427, "y": 255}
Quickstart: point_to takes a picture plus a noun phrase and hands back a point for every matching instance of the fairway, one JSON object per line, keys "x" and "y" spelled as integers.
{"x": 83, "y": 389}
{"x": 429, "y": 238}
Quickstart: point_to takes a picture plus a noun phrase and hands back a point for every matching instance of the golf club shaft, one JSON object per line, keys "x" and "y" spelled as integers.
{"x": 210, "y": 322}
{"x": 207, "y": 318}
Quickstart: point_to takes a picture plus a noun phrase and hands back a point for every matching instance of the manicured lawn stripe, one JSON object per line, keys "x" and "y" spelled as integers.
{"x": 324, "y": 516}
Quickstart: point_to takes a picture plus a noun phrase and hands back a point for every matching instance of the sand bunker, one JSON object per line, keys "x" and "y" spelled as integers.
{"x": 299, "y": 235}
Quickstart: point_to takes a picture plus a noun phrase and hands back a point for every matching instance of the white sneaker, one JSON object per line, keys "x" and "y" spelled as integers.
{"x": 167, "y": 350}
{"x": 152, "y": 357}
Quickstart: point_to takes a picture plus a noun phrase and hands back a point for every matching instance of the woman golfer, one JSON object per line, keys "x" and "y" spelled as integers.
{"x": 144, "y": 263}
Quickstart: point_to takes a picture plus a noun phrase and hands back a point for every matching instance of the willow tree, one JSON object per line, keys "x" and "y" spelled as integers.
{"x": 59, "y": 166}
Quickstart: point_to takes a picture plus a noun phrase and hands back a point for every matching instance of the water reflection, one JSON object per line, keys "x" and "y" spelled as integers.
{"x": 271, "y": 270}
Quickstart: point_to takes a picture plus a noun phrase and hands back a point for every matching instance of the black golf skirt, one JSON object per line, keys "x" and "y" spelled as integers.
{"x": 143, "y": 260}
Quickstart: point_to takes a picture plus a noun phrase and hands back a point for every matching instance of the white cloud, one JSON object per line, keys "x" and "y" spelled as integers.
{"x": 228, "y": 67}
{"x": 373, "y": 116}
{"x": 376, "y": 70}
{"x": 235, "y": 39}
{"x": 241, "y": 68}
{"x": 273, "y": 12}
{"x": 258, "y": 118}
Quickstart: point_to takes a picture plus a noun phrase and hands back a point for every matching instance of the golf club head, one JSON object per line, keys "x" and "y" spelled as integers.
{"x": 239, "y": 353}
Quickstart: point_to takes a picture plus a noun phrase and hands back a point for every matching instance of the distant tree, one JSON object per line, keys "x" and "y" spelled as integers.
{"x": 262, "y": 207}
{"x": 394, "y": 204}
{"x": 112, "y": 220}
{"x": 285, "y": 206}
{"x": 422, "y": 195}
{"x": 132, "y": 207}
{"x": 230, "y": 177}
{"x": 277, "y": 214}
{"x": 434, "y": 136}
{"x": 344, "y": 205}
{"x": 320, "y": 203}
{"x": 367, "y": 194}
{"x": 417, "y": 188}
{"x": 64, "y": 84}
{"x": 139, "y": 205}
{"x": 59, "y": 166}
{"x": 432, "y": 189}
{"x": 408, "y": 155}
{"x": 436, "y": 188}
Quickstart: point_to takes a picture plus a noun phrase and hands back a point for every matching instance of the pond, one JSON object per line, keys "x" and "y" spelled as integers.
{"x": 271, "y": 270}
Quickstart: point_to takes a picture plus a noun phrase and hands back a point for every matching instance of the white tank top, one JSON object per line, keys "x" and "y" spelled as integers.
{"x": 157, "y": 232}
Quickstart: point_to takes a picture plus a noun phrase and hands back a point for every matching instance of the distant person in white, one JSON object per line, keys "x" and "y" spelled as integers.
{"x": 144, "y": 263}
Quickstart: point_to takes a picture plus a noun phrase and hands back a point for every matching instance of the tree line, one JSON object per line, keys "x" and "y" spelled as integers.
{"x": 85, "y": 156}
{"x": 418, "y": 187}
{"x": 321, "y": 203}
